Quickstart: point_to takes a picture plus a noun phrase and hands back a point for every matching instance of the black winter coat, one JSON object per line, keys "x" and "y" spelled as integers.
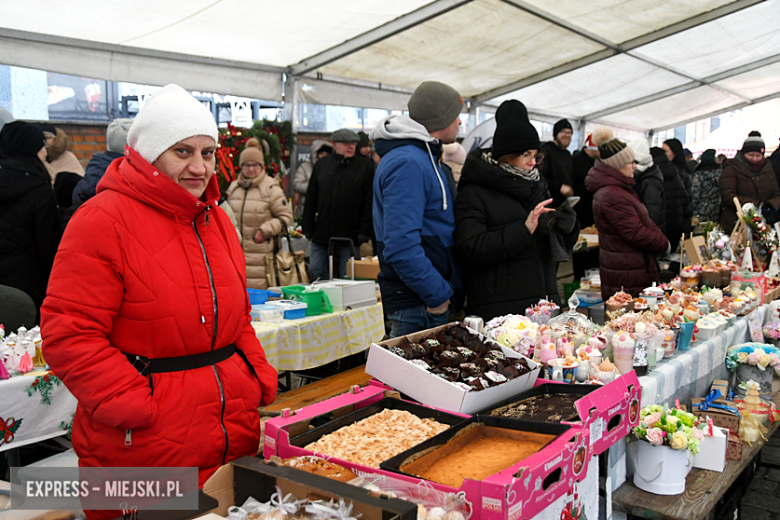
{"x": 649, "y": 188}
{"x": 557, "y": 170}
{"x": 339, "y": 199}
{"x": 675, "y": 197}
{"x": 506, "y": 267}
{"x": 581, "y": 166}
{"x": 687, "y": 180}
{"x": 774, "y": 159}
{"x": 29, "y": 226}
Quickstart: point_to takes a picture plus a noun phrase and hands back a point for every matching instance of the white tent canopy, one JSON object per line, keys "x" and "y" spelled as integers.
{"x": 644, "y": 64}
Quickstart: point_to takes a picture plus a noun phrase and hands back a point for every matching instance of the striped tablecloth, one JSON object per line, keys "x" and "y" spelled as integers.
{"x": 318, "y": 340}
{"x": 686, "y": 375}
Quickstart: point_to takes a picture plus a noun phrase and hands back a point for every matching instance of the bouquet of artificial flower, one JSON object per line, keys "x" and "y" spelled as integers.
{"x": 664, "y": 426}
{"x": 772, "y": 330}
{"x": 760, "y": 355}
{"x": 514, "y": 331}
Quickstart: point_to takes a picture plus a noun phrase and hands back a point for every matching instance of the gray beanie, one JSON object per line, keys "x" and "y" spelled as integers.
{"x": 344, "y": 136}
{"x": 116, "y": 135}
{"x": 435, "y": 105}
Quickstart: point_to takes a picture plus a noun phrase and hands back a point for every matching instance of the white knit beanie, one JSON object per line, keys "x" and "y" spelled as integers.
{"x": 169, "y": 116}
{"x": 641, "y": 154}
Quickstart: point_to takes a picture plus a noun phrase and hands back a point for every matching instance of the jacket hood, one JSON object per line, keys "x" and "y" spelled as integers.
{"x": 708, "y": 161}
{"x": 136, "y": 178}
{"x": 397, "y": 126}
{"x": 602, "y": 175}
{"x": 315, "y": 149}
{"x": 479, "y": 172}
{"x": 396, "y": 131}
{"x": 19, "y": 176}
{"x": 59, "y": 146}
{"x": 643, "y": 175}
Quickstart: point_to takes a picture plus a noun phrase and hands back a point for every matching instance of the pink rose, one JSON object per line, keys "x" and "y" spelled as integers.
{"x": 651, "y": 419}
{"x": 655, "y": 436}
{"x": 753, "y": 358}
{"x": 774, "y": 360}
{"x": 697, "y": 434}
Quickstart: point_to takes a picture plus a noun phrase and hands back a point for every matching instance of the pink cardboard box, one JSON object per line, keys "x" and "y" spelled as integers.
{"x": 611, "y": 412}
{"x": 517, "y": 493}
{"x": 607, "y": 411}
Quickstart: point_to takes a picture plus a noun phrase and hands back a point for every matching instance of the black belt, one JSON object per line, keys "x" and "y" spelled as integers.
{"x": 147, "y": 366}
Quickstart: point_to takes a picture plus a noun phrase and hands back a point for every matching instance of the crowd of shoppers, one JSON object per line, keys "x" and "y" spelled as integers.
{"x": 148, "y": 253}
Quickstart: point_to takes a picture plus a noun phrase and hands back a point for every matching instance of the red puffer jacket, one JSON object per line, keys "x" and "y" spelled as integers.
{"x": 144, "y": 268}
{"x": 628, "y": 238}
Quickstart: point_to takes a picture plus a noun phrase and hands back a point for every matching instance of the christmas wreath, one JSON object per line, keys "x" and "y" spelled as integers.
{"x": 277, "y": 141}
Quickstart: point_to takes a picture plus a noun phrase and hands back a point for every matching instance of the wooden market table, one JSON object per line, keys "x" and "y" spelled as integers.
{"x": 703, "y": 489}
{"x": 319, "y": 390}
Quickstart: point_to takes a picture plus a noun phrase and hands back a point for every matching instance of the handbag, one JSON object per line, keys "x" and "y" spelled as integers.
{"x": 284, "y": 268}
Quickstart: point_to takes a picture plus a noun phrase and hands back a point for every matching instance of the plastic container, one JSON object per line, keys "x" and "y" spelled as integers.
{"x": 267, "y": 313}
{"x": 685, "y": 335}
{"x": 669, "y": 343}
{"x": 292, "y": 310}
{"x": 259, "y": 296}
{"x": 317, "y": 302}
{"x": 588, "y": 296}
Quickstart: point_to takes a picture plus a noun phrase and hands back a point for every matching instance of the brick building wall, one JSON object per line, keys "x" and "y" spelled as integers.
{"x": 85, "y": 139}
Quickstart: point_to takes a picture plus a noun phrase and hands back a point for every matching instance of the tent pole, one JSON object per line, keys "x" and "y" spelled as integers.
{"x": 473, "y": 116}
{"x": 581, "y": 135}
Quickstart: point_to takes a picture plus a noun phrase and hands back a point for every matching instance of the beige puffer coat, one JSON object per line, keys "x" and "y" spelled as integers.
{"x": 257, "y": 207}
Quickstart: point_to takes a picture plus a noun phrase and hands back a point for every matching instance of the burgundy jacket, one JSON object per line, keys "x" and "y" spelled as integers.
{"x": 628, "y": 238}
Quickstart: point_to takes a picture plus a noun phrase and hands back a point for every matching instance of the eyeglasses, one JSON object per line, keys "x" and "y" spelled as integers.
{"x": 252, "y": 166}
{"x": 527, "y": 156}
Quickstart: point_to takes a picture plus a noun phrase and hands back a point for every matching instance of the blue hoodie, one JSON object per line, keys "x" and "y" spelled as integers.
{"x": 414, "y": 219}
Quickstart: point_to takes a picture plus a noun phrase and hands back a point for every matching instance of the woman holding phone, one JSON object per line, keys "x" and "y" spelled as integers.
{"x": 507, "y": 237}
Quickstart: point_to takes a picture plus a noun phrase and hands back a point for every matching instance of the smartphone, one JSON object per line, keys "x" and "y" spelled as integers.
{"x": 571, "y": 201}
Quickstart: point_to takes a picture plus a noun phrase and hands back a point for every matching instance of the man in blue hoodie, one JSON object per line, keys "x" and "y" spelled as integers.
{"x": 413, "y": 212}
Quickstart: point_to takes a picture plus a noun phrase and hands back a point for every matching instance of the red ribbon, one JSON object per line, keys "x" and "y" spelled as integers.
{"x": 6, "y": 435}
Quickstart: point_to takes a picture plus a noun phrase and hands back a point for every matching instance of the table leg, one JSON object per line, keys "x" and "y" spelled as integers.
{"x": 13, "y": 459}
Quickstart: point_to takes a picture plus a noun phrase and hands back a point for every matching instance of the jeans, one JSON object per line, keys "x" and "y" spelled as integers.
{"x": 415, "y": 319}
{"x": 318, "y": 261}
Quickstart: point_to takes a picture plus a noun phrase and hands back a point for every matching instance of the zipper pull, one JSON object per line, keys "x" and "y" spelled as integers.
{"x": 207, "y": 214}
{"x": 128, "y": 437}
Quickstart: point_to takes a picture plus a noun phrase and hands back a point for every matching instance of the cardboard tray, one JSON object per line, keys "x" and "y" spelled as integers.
{"x": 423, "y": 386}
{"x": 543, "y": 388}
{"x": 250, "y": 476}
{"x": 279, "y": 430}
{"x": 526, "y": 487}
{"x": 608, "y": 412}
{"x": 423, "y": 412}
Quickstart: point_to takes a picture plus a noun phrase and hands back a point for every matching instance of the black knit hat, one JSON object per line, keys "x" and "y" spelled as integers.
{"x": 753, "y": 143}
{"x": 363, "y": 140}
{"x": 561, "y": 125}
{"x": 21, "y": 139}
{"x": 514, "y": 132}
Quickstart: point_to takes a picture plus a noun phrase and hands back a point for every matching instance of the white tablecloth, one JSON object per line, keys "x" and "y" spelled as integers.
{"x": 33, "y": 408}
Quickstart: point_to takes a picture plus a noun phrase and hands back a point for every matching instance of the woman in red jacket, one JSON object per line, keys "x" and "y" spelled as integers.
{"x": 628, "y": 238}
{"x": 147, "y": 317}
